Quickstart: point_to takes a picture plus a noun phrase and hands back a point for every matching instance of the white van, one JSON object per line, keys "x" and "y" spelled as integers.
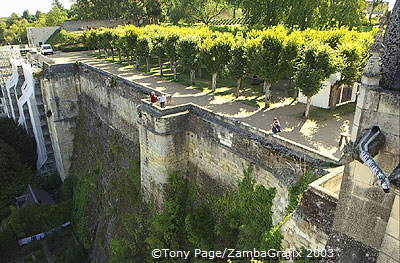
{"x": 46, "y": 49}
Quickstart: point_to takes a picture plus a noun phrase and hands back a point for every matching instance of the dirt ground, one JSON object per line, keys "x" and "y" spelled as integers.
{"x": 321, "y": 135}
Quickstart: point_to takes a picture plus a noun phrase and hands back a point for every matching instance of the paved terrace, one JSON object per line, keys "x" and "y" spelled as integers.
{"x": 322, "y": 136}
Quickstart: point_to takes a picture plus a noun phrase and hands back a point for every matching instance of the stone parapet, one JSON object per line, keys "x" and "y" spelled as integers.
{"x": 363, "y": 212}
{"x": 214, "y": 149}
{"x": 311, "y": 222}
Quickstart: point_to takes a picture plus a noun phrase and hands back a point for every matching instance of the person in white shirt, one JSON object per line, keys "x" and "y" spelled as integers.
{"x": 163, "y": 99}
{"x": 344, "y": 133}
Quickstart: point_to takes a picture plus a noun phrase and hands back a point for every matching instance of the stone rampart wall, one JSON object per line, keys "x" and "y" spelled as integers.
{"x": 186, "y": 139}
{"x": 75, "y": 25}
{"x": 60, "y": 97}
{"x": 213, "y": 150}
{"x": 311, "y": 223}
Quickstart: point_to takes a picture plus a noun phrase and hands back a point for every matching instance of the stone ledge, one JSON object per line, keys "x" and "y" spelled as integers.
{"x": 274, "y": 142}
{"x": 317, "y": 188}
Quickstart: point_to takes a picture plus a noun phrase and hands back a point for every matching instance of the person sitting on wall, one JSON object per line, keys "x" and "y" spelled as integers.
{"x": 276, "y": 126}
{"x": 153, "y": 97}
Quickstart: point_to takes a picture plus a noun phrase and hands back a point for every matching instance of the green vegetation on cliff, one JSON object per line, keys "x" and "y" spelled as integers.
{"x": 17, "y": 163}
{"x": 113, "y": 221}
{"x": 109, "y": 217}
{"x": 17, "y": 137}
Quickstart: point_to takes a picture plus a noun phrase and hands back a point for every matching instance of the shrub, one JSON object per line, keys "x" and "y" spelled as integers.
{"x": 8, "y": 246}
{"x": 16, "y": 136}
{"x": 34, "y": 218}
{"x": 14, "y": 175}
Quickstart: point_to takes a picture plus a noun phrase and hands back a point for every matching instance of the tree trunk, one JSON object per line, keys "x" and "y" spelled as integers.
{"x": 200, "y": 73}
{"x": 137, "y": 62}
{"x": 267, "y": 90}
{"x": 161, "y": 66}
{"x": 214, "y": 81}
{"x": 174, "y": 70}
{"x": 334, "y": 94}
{"x": 370, "y": 14}
{"x": 192, "y": 76}
{"x": 147, "y": 64}
{"x": 112, "y": 54}
{"x": 307, "y": 111}
{"x": 238, "y": 86}
{"x": 119, "y": 56}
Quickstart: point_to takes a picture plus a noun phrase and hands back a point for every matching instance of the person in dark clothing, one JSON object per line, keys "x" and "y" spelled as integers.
{"x": 276, "y": 126}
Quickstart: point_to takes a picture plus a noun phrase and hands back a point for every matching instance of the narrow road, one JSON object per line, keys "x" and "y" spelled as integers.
{"x": 319, "y": 135}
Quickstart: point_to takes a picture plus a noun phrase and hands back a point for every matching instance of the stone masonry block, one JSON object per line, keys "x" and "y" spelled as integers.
{"x": 385, "y": 258}
{"x": 396, "y": 208}
{"x": 375, "y": 210}
{"x": 390, "y": 246}
{"x": 380, "y": 226}
{"x": 387, "y": 161}
{"x": 362, "y": 175}
{"x": 370, "y": 81}
{"x": 392, "y": 228}
{"x": 368, "y": 99}
{"x": 392, "y": 144}
{"x": 389, "y": 123}
{"x": 390, "y": 103}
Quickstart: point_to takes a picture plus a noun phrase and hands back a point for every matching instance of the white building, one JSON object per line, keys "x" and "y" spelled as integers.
{"x": 321, "y": 99}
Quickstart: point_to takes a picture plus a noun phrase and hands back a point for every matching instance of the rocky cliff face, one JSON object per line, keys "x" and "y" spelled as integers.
{"x": 106, "y": 180}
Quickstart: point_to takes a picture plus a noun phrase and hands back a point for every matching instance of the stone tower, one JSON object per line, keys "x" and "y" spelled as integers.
{"x": 366, "y": 223}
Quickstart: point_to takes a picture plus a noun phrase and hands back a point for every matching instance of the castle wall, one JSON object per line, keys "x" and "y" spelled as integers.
{"x": 60, "y": 98}
{"x": 76, "y": 25}
{"x": 311, "y": 222}
{"x": 113, "y": 99}
{"x": 364, "y": 226}
{"x": 210, "y": 149}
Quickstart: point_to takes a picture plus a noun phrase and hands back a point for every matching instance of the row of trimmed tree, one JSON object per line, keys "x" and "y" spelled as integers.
{"x": 308, "y": 57}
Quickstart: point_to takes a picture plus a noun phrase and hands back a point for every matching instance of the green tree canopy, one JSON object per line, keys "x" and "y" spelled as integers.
{"x": 267, "y": 55}
{"x": 171, "y": 44}
{"x": 18, "y": 139}
{"x": 318, "y": 63}
{"x": 56, "y": 16}
{"x": 238, "y": 63}
{"x": 215, "y": 55}
{"x": 188, "y": 53}
{"x": 158, "y": 49}
{"x": 14, "y": 175}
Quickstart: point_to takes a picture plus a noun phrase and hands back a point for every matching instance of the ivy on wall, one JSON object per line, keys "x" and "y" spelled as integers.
{"x": 108, "y": 207}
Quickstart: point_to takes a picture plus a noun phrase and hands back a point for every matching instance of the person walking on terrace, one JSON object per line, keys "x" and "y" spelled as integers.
{"x": 163, "y": 99}
{"x": 153, "y": 97}
{"x": 344, "y": 134}
{"x": 276, "y": 126}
